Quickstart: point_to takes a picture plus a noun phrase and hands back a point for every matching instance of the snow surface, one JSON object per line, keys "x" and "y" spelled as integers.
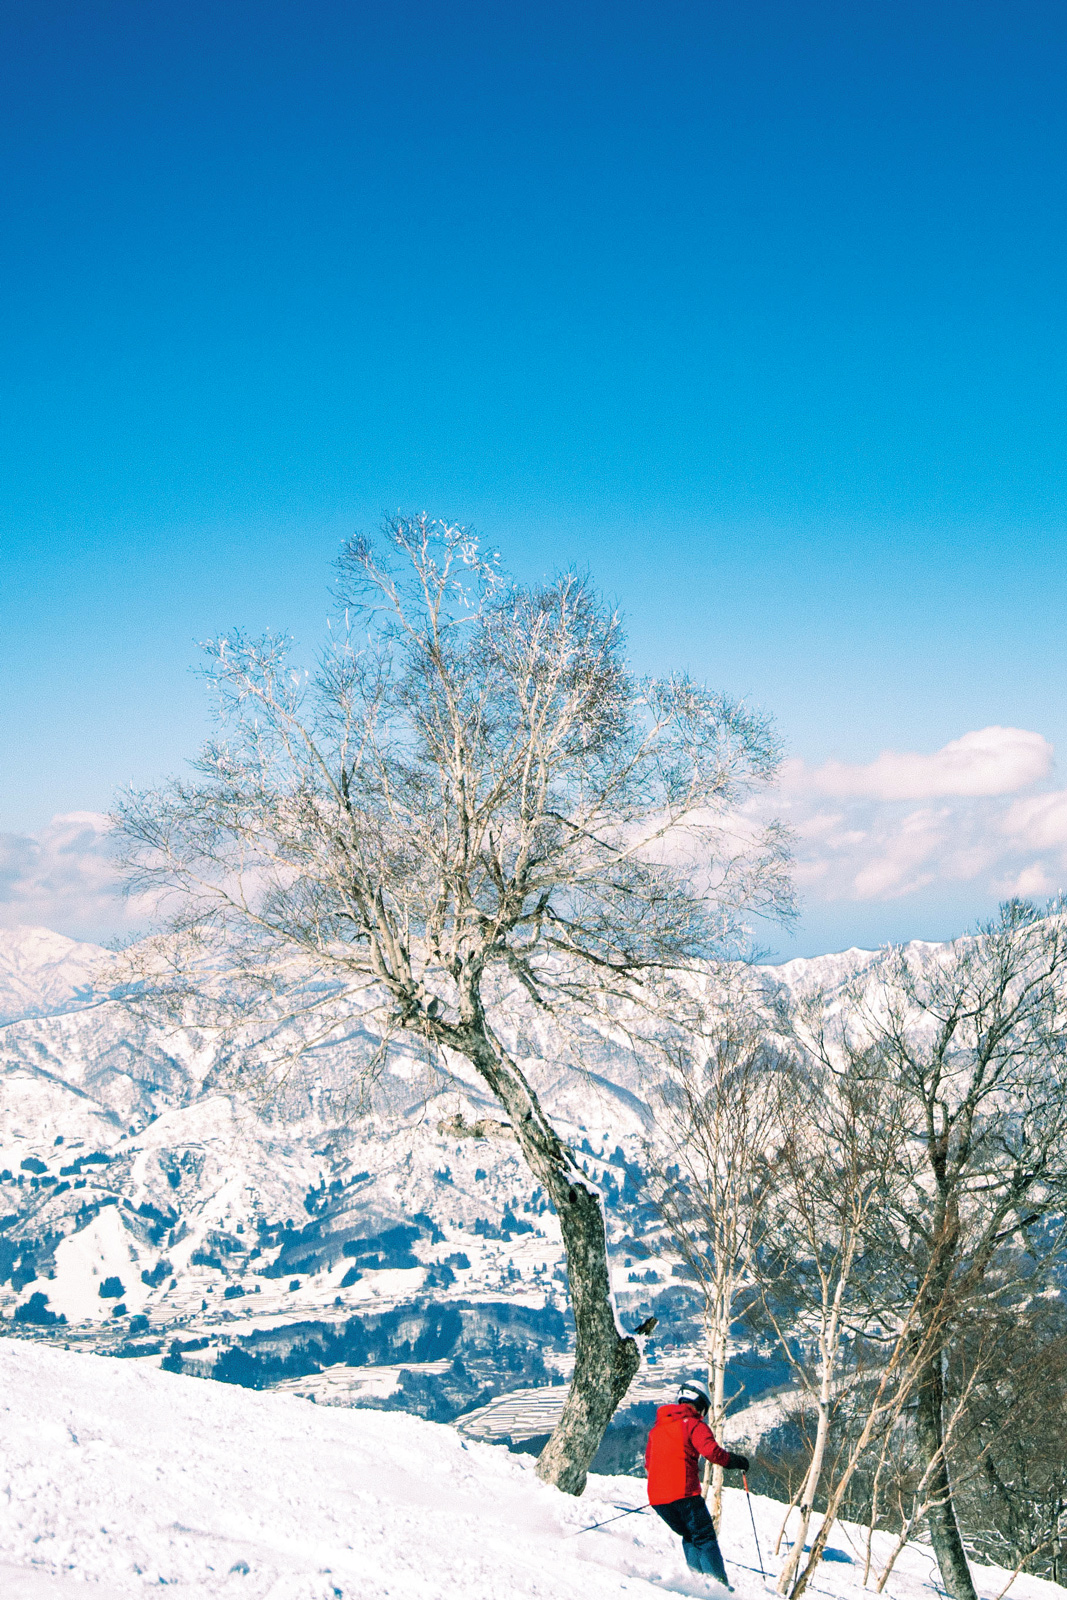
{"x": 116, "y": 1479}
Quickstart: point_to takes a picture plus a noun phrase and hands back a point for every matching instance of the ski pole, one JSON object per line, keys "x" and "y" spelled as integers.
{"x": 605, "y": 1522}
{"x": 755, "y": 1535}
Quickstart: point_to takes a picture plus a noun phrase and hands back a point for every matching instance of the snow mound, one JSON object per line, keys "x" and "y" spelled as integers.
{"x": 115, "y": 1478}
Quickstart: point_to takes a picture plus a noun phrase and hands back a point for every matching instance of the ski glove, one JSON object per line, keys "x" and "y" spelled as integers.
{"x": 736, "y": 1462}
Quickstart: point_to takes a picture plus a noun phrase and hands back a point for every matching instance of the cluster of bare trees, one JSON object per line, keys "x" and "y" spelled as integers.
{"x": 896, "y": 1215}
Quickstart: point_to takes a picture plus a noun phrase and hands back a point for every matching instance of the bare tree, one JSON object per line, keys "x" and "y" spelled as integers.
{"x": 972, "y": 1037}
{"x": 712, "y": 1168}
{"x": 836, "y": 1174}
{"x": 471, "y": 798}
{"x": 905, "y": 1354}
{"x": 1003, "y": 1433}
{"x": 914, "y": 1486}
{"x": 1013, "y": 1440}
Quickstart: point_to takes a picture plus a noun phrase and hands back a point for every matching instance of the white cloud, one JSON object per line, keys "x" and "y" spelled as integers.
{"x": 63, "y": 878}
{"x": 1040, "y": 822}
{"x": 905, "y": 861}
{"x": 989, "y": 761}
{"x": 1032, "y": 883}
{"x": 873, "y": 843}
{"x": 863, "y": 835}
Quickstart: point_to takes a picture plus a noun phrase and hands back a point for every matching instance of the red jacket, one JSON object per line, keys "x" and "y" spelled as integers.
{"x": 677, "y": 1439}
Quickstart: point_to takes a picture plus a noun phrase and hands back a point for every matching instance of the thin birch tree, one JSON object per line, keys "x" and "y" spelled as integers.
{"x": 837, "y": 1171}
{"x": 712, "y": 1170}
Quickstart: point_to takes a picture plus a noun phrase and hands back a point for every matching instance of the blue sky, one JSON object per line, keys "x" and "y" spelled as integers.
{"x": 757, "y": 310}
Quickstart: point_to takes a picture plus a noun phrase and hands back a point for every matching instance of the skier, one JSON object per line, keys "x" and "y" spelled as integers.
{"x": 678, "y": 1437}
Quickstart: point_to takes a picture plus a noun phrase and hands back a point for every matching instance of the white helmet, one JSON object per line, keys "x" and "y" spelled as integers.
{"x": 694, "y": 1394}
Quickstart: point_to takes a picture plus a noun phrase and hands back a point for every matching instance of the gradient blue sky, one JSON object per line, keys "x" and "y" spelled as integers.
{"x": 757, "y": 309}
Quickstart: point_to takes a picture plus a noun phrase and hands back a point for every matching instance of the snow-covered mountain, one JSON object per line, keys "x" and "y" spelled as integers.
{"x": 43, "y": 972}
{"x": 135, "y": 1478}
{"x": 143, "y": 1208}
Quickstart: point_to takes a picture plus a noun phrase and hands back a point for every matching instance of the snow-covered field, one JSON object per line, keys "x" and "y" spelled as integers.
{"x": 116, "y": 1479}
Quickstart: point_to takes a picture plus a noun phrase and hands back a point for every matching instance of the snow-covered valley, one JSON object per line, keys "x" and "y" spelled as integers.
{"x": 360, "y": 1256}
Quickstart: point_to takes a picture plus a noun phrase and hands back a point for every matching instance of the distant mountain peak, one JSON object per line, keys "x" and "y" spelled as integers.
{"x": 42, "y": 972}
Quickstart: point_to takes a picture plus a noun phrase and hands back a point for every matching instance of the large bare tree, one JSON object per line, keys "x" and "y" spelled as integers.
{"x": 472, "y": 797}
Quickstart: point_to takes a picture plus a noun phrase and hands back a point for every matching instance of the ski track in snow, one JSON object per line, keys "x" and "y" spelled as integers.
{"x": 116, "y": 1479}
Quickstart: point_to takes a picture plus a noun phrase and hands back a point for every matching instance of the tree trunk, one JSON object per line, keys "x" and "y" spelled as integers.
{"x": 719, "y": 1341}
{"x": 811, "y": 1484}
{"x": 605, "y": 1358}
{"x": 828, "y": 1336}
{"x": 941, "y": 1515}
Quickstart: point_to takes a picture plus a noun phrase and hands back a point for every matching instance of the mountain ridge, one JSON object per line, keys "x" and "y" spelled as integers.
{"x": 143, "y": 1207}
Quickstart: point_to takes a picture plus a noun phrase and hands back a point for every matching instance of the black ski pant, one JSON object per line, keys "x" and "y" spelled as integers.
{"x": 692, "y": 1519}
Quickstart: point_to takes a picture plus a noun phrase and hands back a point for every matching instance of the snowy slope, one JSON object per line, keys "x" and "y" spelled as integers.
{"x": 115, "y": 1480}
